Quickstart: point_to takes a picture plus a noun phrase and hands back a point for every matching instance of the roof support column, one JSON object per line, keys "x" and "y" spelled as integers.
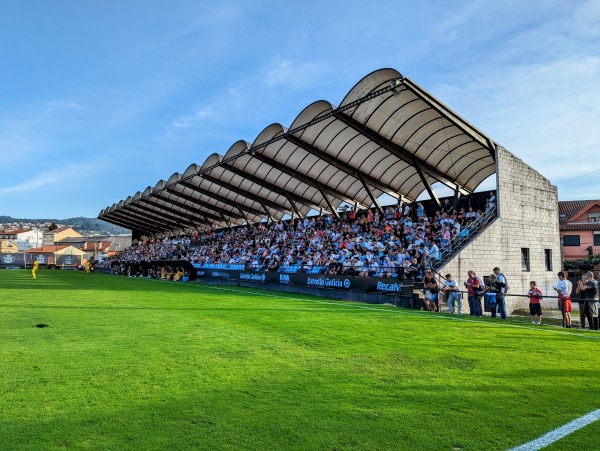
{"x": 333, "y": 210}
{"x": 456, "y": 198}
{"x": 428, "y": 186}
{"x": 293, "y": 206}
{"x": 194, "y": 224}
{"x": 206, "y": 220}
{"x": 224, "y": 219}
{"x": 242, "y": 213}
{"x": 265, "y": 209}
{"x": 368, "y": 189}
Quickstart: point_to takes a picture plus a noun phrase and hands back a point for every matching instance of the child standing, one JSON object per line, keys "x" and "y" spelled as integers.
{"x": 535, "y": 307}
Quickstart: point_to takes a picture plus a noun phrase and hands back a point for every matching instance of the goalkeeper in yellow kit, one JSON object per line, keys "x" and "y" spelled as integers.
{"x": 35, "y": 268}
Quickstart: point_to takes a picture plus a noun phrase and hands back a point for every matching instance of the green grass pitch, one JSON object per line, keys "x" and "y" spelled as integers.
{"x": 143, "y": 364}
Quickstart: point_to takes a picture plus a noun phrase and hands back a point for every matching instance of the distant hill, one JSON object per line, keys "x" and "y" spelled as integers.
{"x": 85, "y": 226}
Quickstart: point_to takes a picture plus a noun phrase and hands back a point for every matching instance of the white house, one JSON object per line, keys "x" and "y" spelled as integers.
{"x": 25, "y": 239}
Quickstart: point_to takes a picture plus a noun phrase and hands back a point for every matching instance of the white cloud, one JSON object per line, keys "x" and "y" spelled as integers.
{"x": 40, "y": 181}
{"x": 538, "y": 95}
{"x": 283, "y": 72}
{"x": 244, "y": 100}
{"x": 191, "y": 120}
{"x": 588, "y": 13}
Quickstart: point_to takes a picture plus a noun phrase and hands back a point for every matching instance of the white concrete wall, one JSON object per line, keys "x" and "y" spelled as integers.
{"x": 528, "y": 209}
{"x": 30, "y": 239}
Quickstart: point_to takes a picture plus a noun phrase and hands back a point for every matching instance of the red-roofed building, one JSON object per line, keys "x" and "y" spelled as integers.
{"x": 25, "y": 239}
{"x": 59, "y": 255}
{"x": 12, "y": 233}
{"x": 579, "y": 227}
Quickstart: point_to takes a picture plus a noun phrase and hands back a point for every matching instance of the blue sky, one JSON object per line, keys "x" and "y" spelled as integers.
{"x": 100, "y": 99}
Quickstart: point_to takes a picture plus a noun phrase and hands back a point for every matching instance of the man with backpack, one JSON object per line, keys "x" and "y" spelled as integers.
{"x": 503, "y": 285}
{"x": 587, "y": 288}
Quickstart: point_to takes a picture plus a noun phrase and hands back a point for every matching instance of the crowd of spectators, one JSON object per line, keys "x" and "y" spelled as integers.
{"x": 397, "y": 241}
{"x": 152, "y": 270}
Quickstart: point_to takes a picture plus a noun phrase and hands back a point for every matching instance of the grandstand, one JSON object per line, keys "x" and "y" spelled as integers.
{"x": 388, "y": 137}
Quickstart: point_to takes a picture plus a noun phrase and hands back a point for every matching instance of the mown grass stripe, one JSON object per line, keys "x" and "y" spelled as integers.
{"x": 549, "y": 329}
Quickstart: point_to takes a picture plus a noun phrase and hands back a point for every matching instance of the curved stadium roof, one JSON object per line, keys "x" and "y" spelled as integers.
{"x": 388, "y": 136}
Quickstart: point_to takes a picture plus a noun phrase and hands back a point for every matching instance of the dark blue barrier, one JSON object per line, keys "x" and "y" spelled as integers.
{"x": 368, "y": 284}
{"x": 354, "y": 288}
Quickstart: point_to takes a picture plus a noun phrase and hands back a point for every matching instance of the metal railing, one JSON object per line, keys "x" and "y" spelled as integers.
{"x": 465, "y": 236}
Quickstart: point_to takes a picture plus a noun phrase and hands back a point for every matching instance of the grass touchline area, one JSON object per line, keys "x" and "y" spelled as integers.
{"x": 128, "y": 363}
{"x": 594, "y": 335}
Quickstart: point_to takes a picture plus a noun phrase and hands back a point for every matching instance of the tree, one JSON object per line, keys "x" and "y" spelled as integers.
{"x": 584, "y": 264}
{"x": 52, "y": 227}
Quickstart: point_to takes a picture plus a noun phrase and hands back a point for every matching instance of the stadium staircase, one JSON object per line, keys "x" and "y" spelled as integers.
{"x": 451, "y": 249}
{"x": 465, "y": 236}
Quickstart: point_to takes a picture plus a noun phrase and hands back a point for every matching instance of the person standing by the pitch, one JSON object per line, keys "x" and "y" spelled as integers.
{"x": 500, "y": 297}
{"x": 452, "y": 292}
{"x": 587, "y": 288}
{"x": 474, "y": 288}
{"x": 34, "y": 268}
{"x": 535, "y": 306}
{"x": 564, "y": 288}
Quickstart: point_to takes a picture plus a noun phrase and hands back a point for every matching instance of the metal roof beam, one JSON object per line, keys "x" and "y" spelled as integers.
{"x": 245, "y": 193}
{"x": 248, "y": 223}
{"x": 129, "y": 224}
{"x": 192, "y": 210}
{"x": 134, "y": 227}
{"x": 426, "y": 97}
{"x": 179, "y": 216}
{"x": 200, "y": 203}
{"x": 145, "y": 212}
{"x": 271, "y": 187}
{"x": 401, "y": 153}
{"x": 303, "y": 178}
{"x": 135, "y": 216}
{"x": 189, "y": 213}
{"x": 218, "y": 197}
{"x": 282, "y": 208}
{"x": 127, "y": 215}
{"x": 342, "y": 167}
{"x": 225, "y": 220}
{"x": 206, "y": 222}
{"x": 269, "y": 217}
{"x": 107, "y": 217}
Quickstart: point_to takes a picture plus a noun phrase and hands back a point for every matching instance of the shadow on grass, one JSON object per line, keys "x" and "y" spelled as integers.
{"x": 311, "y": 411}
{"x": 91, "y": 285}
{"x": 198, "y": 308}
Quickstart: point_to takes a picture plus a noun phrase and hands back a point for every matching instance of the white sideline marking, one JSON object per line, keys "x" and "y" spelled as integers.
{"x": 559, "y": 433}
{"x": 406, "y": 312}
